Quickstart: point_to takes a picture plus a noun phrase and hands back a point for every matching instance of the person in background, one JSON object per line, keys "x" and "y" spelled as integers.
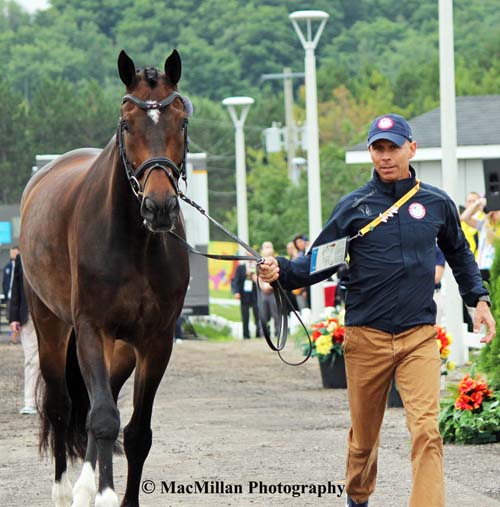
{"x": 8, "y": 277}
{"x": 390, "y": 313}
{"x": 20, "y": 320}
{"x": 269, "y": 307}
{"x": 438, "y": 295}
{"x": 471, "y": 233}
{"x": 302, "y": 294}
{"x": 489, "y": 232}
{"x": 244, "y": 288}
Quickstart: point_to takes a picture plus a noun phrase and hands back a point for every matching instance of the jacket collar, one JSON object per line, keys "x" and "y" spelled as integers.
{"x": 396, "y": 188}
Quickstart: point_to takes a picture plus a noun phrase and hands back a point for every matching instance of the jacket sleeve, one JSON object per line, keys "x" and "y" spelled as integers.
{"x": 15, "y": 298}
{"x": 455, "y": 247}
{"x": 296, "y": 273}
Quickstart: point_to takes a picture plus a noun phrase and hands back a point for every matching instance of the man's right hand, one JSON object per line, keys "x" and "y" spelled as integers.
{"x": 15, "y": 326}
{"x": 269, "y": 270}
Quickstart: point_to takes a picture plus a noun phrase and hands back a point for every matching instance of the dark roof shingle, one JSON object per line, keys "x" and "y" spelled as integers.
{"x": 478, "y": 123}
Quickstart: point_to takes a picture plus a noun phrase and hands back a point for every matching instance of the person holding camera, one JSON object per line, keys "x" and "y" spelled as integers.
{"x": 489, "y": 231}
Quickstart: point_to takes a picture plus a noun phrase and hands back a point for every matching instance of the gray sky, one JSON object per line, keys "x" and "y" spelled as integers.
{"x": 33, "y": 5}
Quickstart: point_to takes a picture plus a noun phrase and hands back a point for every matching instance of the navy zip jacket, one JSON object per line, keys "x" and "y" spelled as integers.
{"x": 391, "y": 268}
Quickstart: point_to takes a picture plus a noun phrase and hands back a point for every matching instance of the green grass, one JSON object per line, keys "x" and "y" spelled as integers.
{"x": 224, "y": 294}
{"x": 212, "y": 334}
{"x": 229, "y": 312}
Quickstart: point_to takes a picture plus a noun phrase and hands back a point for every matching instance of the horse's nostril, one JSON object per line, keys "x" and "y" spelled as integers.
{"x": 149, "y": 204}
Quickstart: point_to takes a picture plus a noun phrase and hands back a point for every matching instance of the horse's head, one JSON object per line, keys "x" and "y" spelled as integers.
{"x": 152, "y": 138}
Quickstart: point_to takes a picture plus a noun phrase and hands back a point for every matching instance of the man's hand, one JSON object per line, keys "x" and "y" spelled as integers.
{"x": 269, "y": 270}
{"x": 483, "y": 316}
{"x": 15, "y": 326}
{"x": 237, "y": 295}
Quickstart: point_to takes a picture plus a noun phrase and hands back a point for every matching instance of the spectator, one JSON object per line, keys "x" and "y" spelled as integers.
{"x": 438, "y": 275}
{"x": 269, "y": 307}
{"x": 244, "y": 288}
{"x": 489, "y": 231}
{"x": 8, "y": 277}
{"x": 20, "y": 320}
{"x": 470, "y": 232}
{"x": 302, "y": 294}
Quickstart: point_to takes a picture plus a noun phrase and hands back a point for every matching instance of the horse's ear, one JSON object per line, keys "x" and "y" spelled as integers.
{"x": 173, "y": 67}
{"x": 126, "y": 68}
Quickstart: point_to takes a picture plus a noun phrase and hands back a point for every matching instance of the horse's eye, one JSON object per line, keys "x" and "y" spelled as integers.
{"x": 125, "y": 126}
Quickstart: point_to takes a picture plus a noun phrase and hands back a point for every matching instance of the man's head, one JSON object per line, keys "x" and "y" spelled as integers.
{"x": 14, "y": 252}
{"x": 391, "y": 147}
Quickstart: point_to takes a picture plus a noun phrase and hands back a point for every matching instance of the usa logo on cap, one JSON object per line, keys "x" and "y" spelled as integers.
{"x": 385, "y": 123}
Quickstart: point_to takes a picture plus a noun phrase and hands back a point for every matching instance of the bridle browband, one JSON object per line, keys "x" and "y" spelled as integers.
{"x": 167, "y": 165}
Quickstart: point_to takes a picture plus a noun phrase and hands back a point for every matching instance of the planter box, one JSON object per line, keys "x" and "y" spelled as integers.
{"x": 333, "y": 373}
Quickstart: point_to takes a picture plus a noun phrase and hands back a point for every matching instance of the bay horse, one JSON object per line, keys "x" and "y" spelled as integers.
{"x": 105, "y": 283}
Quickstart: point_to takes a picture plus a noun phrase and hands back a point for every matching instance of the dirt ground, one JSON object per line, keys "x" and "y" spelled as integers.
{"x": 233, "y": 412}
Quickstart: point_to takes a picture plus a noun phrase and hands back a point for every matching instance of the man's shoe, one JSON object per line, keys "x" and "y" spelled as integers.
{"x": 352, "y": 503}
{"x": 28, "y": 411}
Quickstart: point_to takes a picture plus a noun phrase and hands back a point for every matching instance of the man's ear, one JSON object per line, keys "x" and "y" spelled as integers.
{"x": 413, "y": 149}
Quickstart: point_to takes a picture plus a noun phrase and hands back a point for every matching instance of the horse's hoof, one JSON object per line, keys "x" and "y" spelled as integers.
{"x": 108, "y": 498}
{"x": 61, "y": 492}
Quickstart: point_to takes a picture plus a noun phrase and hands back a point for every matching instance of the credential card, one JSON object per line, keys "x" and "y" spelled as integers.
{"x": 328, "y": 255}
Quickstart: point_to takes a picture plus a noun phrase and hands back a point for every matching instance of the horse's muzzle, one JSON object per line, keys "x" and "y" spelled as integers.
{"x": 160, "y": 217}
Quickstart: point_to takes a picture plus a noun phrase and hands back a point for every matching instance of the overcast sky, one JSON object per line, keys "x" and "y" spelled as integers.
{"x": 33, "y": 5}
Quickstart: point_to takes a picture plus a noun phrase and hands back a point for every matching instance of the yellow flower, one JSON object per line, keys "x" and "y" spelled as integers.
{"x": 450, "y": 365}
{"x": 438, "y": 343}
{"x": 450, "y": 339}
{"x": 324, "y": 344}
{"x": 445, "y": 353}
{"x": 331, "y": 327}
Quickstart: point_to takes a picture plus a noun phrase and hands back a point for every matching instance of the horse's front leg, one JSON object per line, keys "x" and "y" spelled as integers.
{"x": 94, "y": 356}
{"x": 150, "y": 367}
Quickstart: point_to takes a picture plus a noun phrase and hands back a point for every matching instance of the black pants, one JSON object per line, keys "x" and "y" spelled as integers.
{"x": 245, "y": 318}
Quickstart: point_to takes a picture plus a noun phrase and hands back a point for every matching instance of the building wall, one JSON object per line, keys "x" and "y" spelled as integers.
{"x": 470, "y": 176}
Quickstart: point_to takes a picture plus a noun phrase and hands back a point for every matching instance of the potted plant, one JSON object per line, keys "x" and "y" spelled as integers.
{"x": 471, "y": 415}
{"x": 327, "y": 336}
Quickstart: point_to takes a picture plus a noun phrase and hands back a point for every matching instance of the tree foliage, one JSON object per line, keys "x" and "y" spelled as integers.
{"x": 61, "y": 91}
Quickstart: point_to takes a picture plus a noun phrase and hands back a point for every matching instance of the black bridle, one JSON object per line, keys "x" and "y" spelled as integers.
{"x": 167, "y": 165}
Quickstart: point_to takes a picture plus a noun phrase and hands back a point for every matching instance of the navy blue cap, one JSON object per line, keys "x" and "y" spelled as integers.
{"x": 392, "y": 127}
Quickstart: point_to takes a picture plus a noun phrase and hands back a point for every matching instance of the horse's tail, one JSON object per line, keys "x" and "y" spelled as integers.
{"x": 76, "y": 432}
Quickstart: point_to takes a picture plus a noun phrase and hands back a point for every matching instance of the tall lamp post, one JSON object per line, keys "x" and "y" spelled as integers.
{"x": 309, "y": 42}
{"x": 449, "y": 166}
{"x": 240, "y": 105}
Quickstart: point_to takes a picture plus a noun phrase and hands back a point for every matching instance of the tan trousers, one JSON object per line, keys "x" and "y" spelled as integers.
{"x": 372, "y": 357}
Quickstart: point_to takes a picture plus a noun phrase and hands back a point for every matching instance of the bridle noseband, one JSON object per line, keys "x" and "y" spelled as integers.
{"x": 167, "y": 165}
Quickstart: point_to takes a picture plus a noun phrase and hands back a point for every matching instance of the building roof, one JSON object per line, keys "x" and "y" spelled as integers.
{"x": 478, "y": 123}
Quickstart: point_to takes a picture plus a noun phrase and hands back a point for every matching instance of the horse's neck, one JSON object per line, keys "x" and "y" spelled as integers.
{"x": 120, "y": 205}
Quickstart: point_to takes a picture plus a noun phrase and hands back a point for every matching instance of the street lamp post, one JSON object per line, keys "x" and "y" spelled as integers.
{"x": 309, "y": 42}
{"x": 242, "y": 104}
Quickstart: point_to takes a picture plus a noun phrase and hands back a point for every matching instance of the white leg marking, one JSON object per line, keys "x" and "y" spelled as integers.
{"x": 61, "y": 492}
{"x": 84, "y": 489}
{"x": 108, "y": 498}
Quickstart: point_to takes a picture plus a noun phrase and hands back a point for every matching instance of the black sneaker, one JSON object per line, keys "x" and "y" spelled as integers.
{"x": 352, "y": 503}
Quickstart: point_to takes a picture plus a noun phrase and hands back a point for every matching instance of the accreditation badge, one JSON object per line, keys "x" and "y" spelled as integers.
{"x": 329, "y": 255}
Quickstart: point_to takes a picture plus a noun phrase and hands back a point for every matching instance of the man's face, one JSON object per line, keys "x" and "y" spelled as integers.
{"x": 13, "y": 253}
{"x": 392, "y": 162}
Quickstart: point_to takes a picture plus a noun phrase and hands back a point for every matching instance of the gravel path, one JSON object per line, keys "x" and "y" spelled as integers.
{"x": 233, "y": 415}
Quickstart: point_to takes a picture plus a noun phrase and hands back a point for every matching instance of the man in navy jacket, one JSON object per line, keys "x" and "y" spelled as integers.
{"x": 390, "y": 312}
